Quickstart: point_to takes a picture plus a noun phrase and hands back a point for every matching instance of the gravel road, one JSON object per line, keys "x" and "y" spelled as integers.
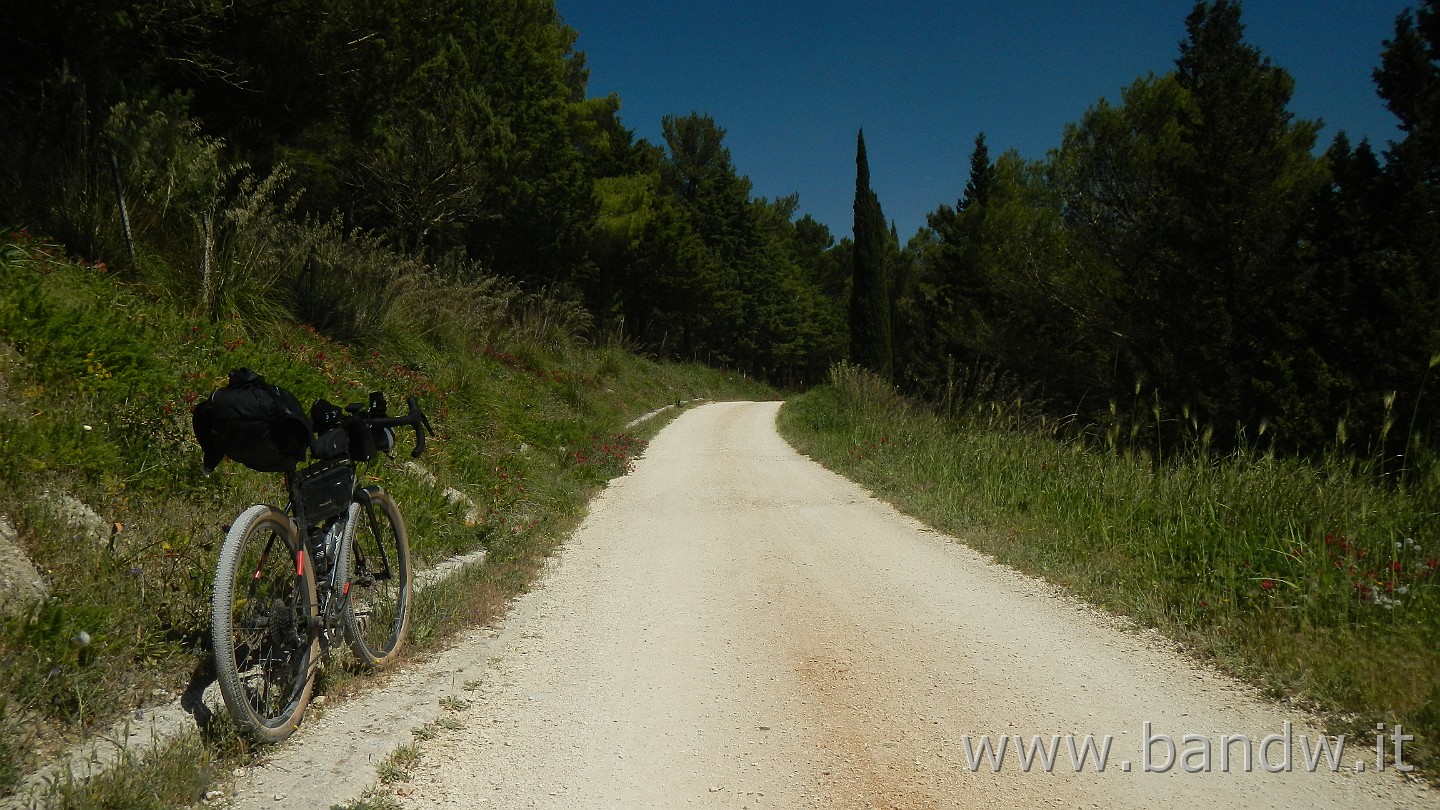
{"x": 734, "y": 626}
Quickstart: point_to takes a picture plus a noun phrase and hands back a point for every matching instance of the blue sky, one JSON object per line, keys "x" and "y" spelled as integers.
{"x": 792, "y": 82}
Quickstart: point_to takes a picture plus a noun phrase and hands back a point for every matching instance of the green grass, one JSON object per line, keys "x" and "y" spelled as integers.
{"x": 177, "y": 773}
{"x": 398, "y": 766}
{"x": 1316, "y": 581}
{"x": 97, "y": 378}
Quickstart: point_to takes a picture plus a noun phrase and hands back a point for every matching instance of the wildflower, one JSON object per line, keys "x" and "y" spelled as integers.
{"x": 1396, "y": 566}
{"x": 1267, "y": 584}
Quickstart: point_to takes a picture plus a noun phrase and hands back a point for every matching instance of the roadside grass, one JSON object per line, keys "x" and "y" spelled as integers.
{"x": 100, "y": 476}
{"x": 1318, "y": 582}
{"x": 184, "y": 767}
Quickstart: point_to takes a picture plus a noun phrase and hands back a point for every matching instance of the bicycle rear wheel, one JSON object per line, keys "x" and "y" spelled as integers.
{"x": 378, "y": 611}
{"x": 263, "y": 624}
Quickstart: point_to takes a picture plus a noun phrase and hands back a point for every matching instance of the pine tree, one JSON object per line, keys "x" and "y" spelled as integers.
{"x": 1409, "y": 82}
{"x": 982, "y": 175}
{"x": 870, "y": 337}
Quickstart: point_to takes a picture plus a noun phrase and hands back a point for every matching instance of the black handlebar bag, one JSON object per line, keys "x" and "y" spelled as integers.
{"x": 253, "y": 422}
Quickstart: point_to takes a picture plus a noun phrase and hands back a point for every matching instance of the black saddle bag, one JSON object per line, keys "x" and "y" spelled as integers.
{"x": 260, "y": 425}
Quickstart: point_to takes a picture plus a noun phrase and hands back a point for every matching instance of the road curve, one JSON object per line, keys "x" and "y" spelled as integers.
{"x": 735, "y": 626}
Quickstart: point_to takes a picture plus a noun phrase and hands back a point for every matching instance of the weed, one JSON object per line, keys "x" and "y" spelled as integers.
{"x": 453, "y": 703}
{"x": 397, "y": 767}
{"x": 373, "y": 799}
{"x": 175, "y": 775}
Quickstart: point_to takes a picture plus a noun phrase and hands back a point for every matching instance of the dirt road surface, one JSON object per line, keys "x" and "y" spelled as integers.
{"x": 734, "y": 626}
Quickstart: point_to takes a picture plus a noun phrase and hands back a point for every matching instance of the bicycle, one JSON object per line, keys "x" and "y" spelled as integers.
{"x": 291, "y": 582}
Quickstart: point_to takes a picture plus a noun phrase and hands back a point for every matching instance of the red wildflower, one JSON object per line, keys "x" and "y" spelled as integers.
{"x": 1267, "y": 584}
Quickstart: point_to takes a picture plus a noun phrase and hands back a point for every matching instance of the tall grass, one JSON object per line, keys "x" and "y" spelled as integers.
{"x": 1317, "y": 579}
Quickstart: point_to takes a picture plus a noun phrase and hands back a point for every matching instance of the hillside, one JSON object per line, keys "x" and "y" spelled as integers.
{"x": 100, "y": 477}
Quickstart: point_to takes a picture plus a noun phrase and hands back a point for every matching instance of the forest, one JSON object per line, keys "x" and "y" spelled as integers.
{"x": 1191, "y": 265}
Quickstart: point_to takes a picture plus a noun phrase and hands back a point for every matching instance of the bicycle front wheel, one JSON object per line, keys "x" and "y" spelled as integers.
{"x": 263, "y": 624}
{"x": 378, "y": 611}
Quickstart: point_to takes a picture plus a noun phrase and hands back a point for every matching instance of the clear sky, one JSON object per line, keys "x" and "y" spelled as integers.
{"x": 791, "y": 81}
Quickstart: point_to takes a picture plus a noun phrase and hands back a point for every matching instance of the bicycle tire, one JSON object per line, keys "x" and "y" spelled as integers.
{"x": 377, "y": 614}
{"x": 264, "y": 624}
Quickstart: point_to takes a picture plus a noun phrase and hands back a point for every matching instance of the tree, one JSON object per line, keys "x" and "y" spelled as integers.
{"x": 1244, "y": 188}
{"x": 954, "y": 284}
{"x": 1187, "y": 206}
{"x": 1408, "y": 81}
{"x": 1354, "y": 303}
{"x": 701, "y": 175}
{"x": 435, "y": 158}
{"x": 982, "y": 175}
{"x": 870, "y": 335}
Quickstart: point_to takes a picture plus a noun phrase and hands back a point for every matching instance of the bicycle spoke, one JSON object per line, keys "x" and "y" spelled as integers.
{"x": 264, "y": 666}
{"x": 379, "y": 606}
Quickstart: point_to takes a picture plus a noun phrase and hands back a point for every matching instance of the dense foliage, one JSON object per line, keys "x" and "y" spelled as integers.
{"x": 364, "y": 137}
{"x": 1185, "y": 259}
{"x": 1189, "y": 253}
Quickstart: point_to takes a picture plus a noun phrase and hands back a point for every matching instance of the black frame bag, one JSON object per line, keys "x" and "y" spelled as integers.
{"x": 260, "y": 425}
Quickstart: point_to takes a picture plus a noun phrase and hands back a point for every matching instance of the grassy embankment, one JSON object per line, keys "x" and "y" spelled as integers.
{"x": 100, "y": 476}
{"x": 1318, "y": 582}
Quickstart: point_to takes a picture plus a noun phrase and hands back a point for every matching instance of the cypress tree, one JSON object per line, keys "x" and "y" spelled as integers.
{"x": 871, "y": 343}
